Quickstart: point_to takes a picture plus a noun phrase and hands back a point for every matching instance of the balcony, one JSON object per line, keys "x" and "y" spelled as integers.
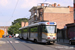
{"x": 35, "y": 14}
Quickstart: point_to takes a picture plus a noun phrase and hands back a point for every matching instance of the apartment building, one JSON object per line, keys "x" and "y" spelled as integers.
{"x": 53, "y": 13}
{"x": 4, "y": 28}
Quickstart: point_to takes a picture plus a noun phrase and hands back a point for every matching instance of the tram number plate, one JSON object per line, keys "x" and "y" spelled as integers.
{"x": 51, "y": 42}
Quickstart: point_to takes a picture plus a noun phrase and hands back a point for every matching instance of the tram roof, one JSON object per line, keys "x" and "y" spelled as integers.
{"x": 39, "y": 23}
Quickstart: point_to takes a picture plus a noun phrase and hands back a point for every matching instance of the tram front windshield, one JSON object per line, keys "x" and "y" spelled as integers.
{"x": 49, "y": 29}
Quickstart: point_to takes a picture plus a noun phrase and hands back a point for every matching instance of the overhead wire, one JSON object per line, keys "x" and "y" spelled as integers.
{"x": 13, "y": 12}
{"x": 14, "y": 9}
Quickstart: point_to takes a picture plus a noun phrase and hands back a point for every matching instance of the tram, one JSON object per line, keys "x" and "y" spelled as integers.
{"x": 40, "y": 32}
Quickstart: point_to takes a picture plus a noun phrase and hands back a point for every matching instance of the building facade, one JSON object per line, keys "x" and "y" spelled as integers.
{"x": 74, "y": 10}
{"x": 53, "y": 13}
{"x": 4, "y": 28}
{"x": 70, "y": 30}
{"x": 71, "y": 27}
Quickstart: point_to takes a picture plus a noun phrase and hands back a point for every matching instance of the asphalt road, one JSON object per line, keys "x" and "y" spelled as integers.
{"x": 19, "y": 44}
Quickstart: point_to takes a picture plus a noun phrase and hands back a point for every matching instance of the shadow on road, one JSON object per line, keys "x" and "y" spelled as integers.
{"x": 31, "y": 42}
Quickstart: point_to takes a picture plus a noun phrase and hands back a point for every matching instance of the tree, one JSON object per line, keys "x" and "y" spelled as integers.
{"x": 20, "y": 20}
{"x": 14, "y": 28}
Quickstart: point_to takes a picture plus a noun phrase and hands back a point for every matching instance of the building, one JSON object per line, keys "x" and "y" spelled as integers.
{"x": 74, "y": 11}
{"x": 4, "y": 28}
{"x": 70, "y": 30}
{"x": 71, "y": 27}
{"x": 53, "y": 13}
{"x": 23, "y": 24}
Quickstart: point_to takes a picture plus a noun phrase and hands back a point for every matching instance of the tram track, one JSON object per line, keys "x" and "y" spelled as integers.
{"x": 13, "y": 48}
{"x": 23, "y": 45}
{"x": 11, "y": 45}
{"x": 40, "y": 44}
{"x": 27, "y": 46}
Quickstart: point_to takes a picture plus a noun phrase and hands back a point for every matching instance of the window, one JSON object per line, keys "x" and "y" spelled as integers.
{"x": 48, "y": 29}
{"x": 33, "y": 29}
{"x": 25, "y": 30}
{"x": 44, "y": 29}
{"x": 35, "y": 18}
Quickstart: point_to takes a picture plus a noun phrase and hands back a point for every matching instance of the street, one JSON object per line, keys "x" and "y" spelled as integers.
{"x": 19, "y": 44}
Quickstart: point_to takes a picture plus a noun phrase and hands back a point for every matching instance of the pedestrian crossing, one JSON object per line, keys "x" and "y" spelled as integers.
{"x": 6, "y": 42}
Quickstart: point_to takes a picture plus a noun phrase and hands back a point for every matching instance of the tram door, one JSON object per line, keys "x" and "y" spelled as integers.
{"x": 39, "y": 33}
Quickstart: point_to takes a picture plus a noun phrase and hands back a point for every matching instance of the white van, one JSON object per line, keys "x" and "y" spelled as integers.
{"x": 16, "y": 35}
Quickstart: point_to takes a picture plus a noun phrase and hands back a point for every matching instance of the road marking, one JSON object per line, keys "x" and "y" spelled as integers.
{"x": 7, "y": 41}
{"x": 64, "y": 47}
{"x": 16, "y": 41}
{"x": 10, "y": 41}
{"x": 2, "y": 42}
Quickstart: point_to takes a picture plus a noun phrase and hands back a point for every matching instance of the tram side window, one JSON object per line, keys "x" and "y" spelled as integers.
{"x": 25, "y": 30}
{"x": 33, "y": 29}
{"x": 44, "y": 29}
{"x": 21, "y": 31}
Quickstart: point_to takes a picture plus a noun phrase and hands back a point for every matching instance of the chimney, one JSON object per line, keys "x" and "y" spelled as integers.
{"x": 58, "y": 4}
{"x": 23, "y": 24}
{"x": 69, "y": 7}
{"x": 54, "y": 4}
{"x": 42, "y": 4}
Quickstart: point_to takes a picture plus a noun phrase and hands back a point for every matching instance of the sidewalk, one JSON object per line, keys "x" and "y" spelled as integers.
{"x": 62, "y": 41}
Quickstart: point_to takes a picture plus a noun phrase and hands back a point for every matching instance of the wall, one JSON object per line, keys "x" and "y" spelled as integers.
{"x": 60, "y": 18}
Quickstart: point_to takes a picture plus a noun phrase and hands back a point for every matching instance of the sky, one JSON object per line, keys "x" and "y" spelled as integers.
{"x": 11, "y": 10}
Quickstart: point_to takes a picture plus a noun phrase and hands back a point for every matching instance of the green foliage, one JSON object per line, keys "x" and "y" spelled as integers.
{"x": 14, "y": 28}
{"x": 20, "y": 20}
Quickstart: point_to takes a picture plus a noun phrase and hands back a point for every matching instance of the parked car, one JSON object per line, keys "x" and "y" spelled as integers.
{"x": 72, "y": 40}
{"x": 4, "y": 36}
{"x": 10, "y": 36}
{"x": 7, "y": 36}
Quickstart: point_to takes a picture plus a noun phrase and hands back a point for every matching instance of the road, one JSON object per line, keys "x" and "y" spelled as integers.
{"x": 19, "y": 44}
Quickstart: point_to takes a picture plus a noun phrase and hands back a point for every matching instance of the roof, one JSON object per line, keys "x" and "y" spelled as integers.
{"x": 39, "y": 23}
{"x": 70, "y": 25}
